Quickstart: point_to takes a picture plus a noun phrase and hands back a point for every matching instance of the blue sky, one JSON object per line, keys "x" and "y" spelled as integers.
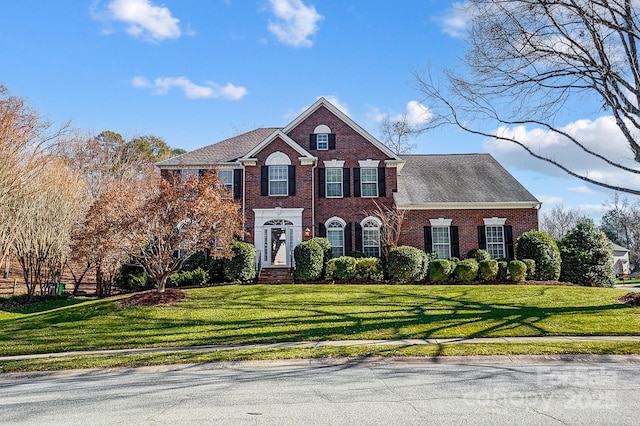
{"x": 197, "y": 71}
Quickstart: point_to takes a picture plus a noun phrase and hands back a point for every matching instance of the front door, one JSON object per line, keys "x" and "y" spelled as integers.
{"x": 278, "y": 241}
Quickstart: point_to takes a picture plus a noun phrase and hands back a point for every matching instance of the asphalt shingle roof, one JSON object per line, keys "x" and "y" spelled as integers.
{"x": 222, "y": 152}
{"x": 457, "y": 178}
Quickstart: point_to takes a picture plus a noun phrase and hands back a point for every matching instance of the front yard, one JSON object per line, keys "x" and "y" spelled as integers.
{"x": 257, "y": 313}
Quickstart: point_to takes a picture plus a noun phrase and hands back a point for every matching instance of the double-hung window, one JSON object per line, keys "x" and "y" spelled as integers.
{"x": 278, "y": 180}
{"x": 440, "y": 242}
{"x": 322, "y": 141}
{"x": 371, "y": 239}
{"x": 333, "y": 177}
{"x": 369, "y": 182}
{"x": 226, "y": 178}
{"x": 495, "y": 241}
{"x": 335, "y": 235}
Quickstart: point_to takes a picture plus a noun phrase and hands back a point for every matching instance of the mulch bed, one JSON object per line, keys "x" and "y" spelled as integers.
{"x": 632, "y": 299}
{"x": 153, "y": 298}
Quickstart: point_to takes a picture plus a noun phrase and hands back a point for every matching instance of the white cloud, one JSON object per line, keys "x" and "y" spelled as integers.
{"x": 549, "y": 200}
{"x": 336, "y": 103}
{"x": 417, "y": 114}
{"x": 601, "y": 135}
{"x": 454, "y": 23}
{"x": 210, "y": 90}
{"x": 294, "y": 22}
{"x": 583, "y": 189}
{"x": 142, "y": 19}
{"x": 375, "y": 115}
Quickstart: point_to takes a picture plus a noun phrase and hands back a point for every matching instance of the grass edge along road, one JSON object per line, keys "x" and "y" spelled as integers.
{"x": 259, "y": 314}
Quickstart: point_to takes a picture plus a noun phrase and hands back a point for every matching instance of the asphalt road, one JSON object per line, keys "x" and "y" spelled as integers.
{"x": 474, "y": 391}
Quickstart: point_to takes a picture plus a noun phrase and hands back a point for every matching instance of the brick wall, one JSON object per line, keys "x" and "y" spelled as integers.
{"x": 467, "y": 221}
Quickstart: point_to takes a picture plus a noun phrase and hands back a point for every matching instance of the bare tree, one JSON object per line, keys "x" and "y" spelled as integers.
{"x": 159, "y": 224}
{"x": 396, "y": 133}
{"x": 560, "y": 220}
{"x": 392, "y": 220}
{"x": 527, "y": 59}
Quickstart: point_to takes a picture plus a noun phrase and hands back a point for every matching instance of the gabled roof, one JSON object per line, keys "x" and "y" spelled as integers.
{"x": 226, "y": 151}
{"x": 434, "y": 181}
{"x": 273, "y": 136}
{"x": 617, "y": 247}
{"x": 345, "y": 118}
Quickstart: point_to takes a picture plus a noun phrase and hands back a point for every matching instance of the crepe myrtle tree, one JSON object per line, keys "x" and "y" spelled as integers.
{"x": 159, "y": 223}
{"x": 526, "y": 60}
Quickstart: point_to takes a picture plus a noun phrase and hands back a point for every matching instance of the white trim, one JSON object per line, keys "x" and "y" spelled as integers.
{"x": 273, "y": 136}
{"x": 469, "y": 206}
{"x": 369, "y": 163}
{"x": 261, "y": 216}
{"x": 277, "y": 159}
{"x": 334, "y": 164}
{"x": 494, "y": 221}
{"x": 322, "y": 129}
{"x": 248, "y": 161}
{"x": 335, "y": 219}
{"x": 368, "y": 218}
{"x": 304, "y": 161}
{"x": 348, "y": 121}
{"x": 440, "y": 222}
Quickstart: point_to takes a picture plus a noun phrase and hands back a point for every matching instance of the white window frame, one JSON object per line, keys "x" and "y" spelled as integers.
{"x": 497, "y": 249}
{"x": 322, "y": 141}
{"x": 228, "y": 183}
{"x": 441, "y": 248}
{"x": 187, "y": 174}
{"x": 371, "y": 224}
{"x": 339, "y": 175}
{"x": 336, "y": 225}
{"x": 281, "y": 177}
{"x": 368, "y": 182}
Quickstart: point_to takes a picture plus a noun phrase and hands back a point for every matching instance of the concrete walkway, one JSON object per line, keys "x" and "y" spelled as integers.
{"x": 331, "y": 343}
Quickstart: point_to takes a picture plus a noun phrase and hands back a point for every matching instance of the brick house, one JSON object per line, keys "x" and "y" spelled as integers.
{"x": 322, "y": 175}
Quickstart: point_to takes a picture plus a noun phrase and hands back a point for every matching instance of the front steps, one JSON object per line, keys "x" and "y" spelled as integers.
{"x": 275, "y": 276}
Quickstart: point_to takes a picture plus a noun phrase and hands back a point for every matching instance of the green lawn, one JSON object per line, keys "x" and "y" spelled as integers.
{"x": 255, "y": 313}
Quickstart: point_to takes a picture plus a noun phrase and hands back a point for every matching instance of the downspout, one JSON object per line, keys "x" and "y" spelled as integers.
{"x": 313, "y": 198}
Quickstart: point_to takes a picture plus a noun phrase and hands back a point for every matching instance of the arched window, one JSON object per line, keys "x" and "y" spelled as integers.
{"x": 335, "y": 235}
{"x": 371, "y": 237}
{"x": 278, "y": 173}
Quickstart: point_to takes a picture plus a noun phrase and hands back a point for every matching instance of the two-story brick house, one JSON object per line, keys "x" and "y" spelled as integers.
{"x": 322, "y": 175}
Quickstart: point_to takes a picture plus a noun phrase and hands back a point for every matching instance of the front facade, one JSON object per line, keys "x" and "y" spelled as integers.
{"x": 323, "y": 175}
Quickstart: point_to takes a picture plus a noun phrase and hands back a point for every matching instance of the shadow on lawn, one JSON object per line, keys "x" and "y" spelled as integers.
{"x": 254, "y": 314}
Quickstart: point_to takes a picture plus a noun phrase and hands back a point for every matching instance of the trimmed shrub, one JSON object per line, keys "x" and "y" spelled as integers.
{"x": 325, "y": 245}
{"x": 531, "y": 268}
{"x": 369, "y": 268}
{"x": 517, "y": 271}
{"x": 440, "y": 270}
{"x": 132, "y": 278}
{"x": 540, "y": 247}
{"x": 487, "y": 269}
{"x": 455, "y": 260}
{"x": 407, "y": 264}
{"x": 587, "y": 257}
{"x": 466, "y": 271}
{"x": 309, "y": 257}
{"x": 341, "y": 268}
{"x": 241, "y": 267}
{"x": 478, "y": 254}
{"x": 503, "y": 270}
{"x": 189, "y": 278}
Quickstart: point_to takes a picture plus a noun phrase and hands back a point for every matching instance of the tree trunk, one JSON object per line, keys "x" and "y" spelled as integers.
{"x": 99, "y": 280}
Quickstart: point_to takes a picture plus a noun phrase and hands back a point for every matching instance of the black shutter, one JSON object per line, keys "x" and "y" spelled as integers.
{"x": 313, "y": 141}
{"x": 332, "y": 141}
{"x": 202, "y": 172}
{"x": 482, "y": 238}
{"x": 508, "y": 240}
{"x": 322, "y": 230}
{"x": 428, "y": 242}
{"x": 358, "y": 237}
{"x": 356, "y": 181}
{"x": 321, "y": 183}
{"x": 347, "y": 239}
{"x": 237, "y": 183}
{"x": 292, "y": 180}
{"x": 382, "y": 187}
{"x": 264, "y": 181}
{"x": 346, "y": 183}
{"x": 455, "y": 241}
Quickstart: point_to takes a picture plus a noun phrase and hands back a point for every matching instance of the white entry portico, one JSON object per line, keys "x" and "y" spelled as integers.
{"x": 276, "y": 232}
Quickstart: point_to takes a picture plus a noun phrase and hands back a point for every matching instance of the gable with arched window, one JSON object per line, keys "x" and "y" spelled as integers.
{"x": 278, "y": 176}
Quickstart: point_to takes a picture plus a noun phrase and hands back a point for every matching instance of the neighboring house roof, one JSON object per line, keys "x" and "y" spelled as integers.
{"x": 226, "y": 151}
{"x": 617, "y": 247}
{"x": 433, "y": 181}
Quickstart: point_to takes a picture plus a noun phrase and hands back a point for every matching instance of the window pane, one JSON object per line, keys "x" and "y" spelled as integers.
{"x": 369, "y": 182}
{"x": 334, "y": 182}
{"x": 440, "y": 241}
{"x": 371, "y": 239}
{"x": 278, "y": 180}
{"x": 495, "y": 241}
{"x": 226, "y": 178}
{"x": 323, "y": 141}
